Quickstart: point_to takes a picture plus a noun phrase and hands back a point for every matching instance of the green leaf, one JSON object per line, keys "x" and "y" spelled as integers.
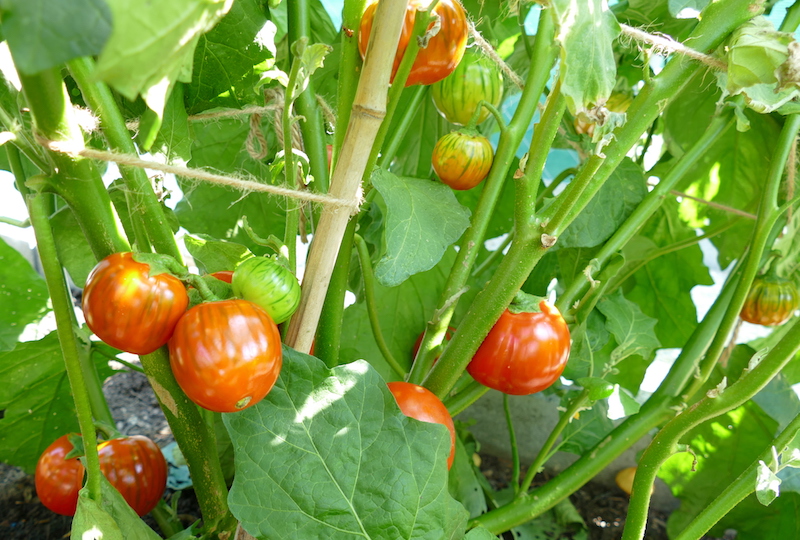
{"x": 74, "y": 251}
{"x": 479, "y": 533}
{"x": 724, "y": 447}
{"x": 563, "y": 521}
{"x": 767, "y": 484}
{"x": 663, "y": 286}
{"x": 463, "y": 482}
{"x": 402, "y": 313}
{"x": 633, "y": 330}
{"x": 165, "y": 34}
{"x": 598, "y": 388}
{"x": 212, "y": 255}
{"x": 311, "y": 58}
{"x": 610, "y": 207}
{"x": 174, "y": 138}
{"x": 217, "y": 211}
{"x": 23, "y": 295}
{"x": 423, "y": 220}
{"x": 586, "y": 32}
{"x": 35, "y": 396}
{"x": 46, "y": 33}
{"x": 587, "y": 430}
{"x": 376, "y": 473}
{"x": 591, "y": 348}
{"x": 109, "y": 519}
{"x": 226, "y": 57}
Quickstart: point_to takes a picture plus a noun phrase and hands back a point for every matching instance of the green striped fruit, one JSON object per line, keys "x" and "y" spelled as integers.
{"x": 268, "y": 284}
{"x": 476, "y": 78}
{"x": 462, "y": 159}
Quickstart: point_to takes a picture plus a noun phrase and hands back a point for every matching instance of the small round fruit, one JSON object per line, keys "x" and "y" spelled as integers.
{"x": 771, "y": 301}
{"x": 226, "y": 356}
{"x": 134, "y": 465}
{"x": 462, "y": 159}
{"x": 524, "y": 352}
{"x": 58, "y": 480}
{"x": 444, "y": 50}
{"x": 475, "y": 79}
{"x": 268, "y": 284}
{"x": 128, "y": 308}
{"x": 137, "y": 469}
{"x": 422, "y": 404}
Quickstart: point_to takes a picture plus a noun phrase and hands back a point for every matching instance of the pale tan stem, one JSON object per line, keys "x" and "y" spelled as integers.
{"x": 369, "y": 109}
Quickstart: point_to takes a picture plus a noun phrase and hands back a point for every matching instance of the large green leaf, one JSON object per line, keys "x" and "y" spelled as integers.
{"x": 662, "y": 287}
{"x": 46, "y": 33}
{"x": 23, "y": 295}
{"x": 226, "y": 57}
{"x": 610, "y": 207}
{"x": 165, "y": 34}
{"x": 731, "y": 172}
{"x": 36, "y": 399}
{"x": 217, "y": 211}
{"x": 423, "y": 220}
{"x": 328, "y": 454}
{"x": 724, "y": 447}
{"x": 586, "y": 31}
{"x": 402, "y": 313}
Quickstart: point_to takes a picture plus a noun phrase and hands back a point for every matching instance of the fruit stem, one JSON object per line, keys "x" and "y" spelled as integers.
{"x": 299, "y": 26}
{"x": 544, "y": 453}
{"x": 459, "y": 402}
{"x": 145, "y": 208}
{"x": 372, "y": 308}
{"x": 512, "y": 438}
{"x": 70, "y": 347}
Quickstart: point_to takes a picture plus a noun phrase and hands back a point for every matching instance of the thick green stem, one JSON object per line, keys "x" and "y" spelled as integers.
{"x": 143, "y": 202}
{"x": 719, "y": 125}
{"x": 329, "y": 329}
{"x": 557, "y": 181}
{"x": 768, "y": 214}
{"x": 715, "y": 403}
{"x": 528, "y": 186}
{"x": 372, "y": 308}
{"x": 312, "y": 127}
{"x": 792, "y": 19}
{"x": 740, "y": 488}
{"x": 77, "y": 180}
{"x": 70, "y": 347}
{"x": 541, "y": 458}
{"x": 460, "y": 401}
{"x": 719, "y": 19}
{"x": 472, "y": 240}
{"x": 399, "y": 130}
{"x": 196, "y": 443}
{"x": 349, "y": 69}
